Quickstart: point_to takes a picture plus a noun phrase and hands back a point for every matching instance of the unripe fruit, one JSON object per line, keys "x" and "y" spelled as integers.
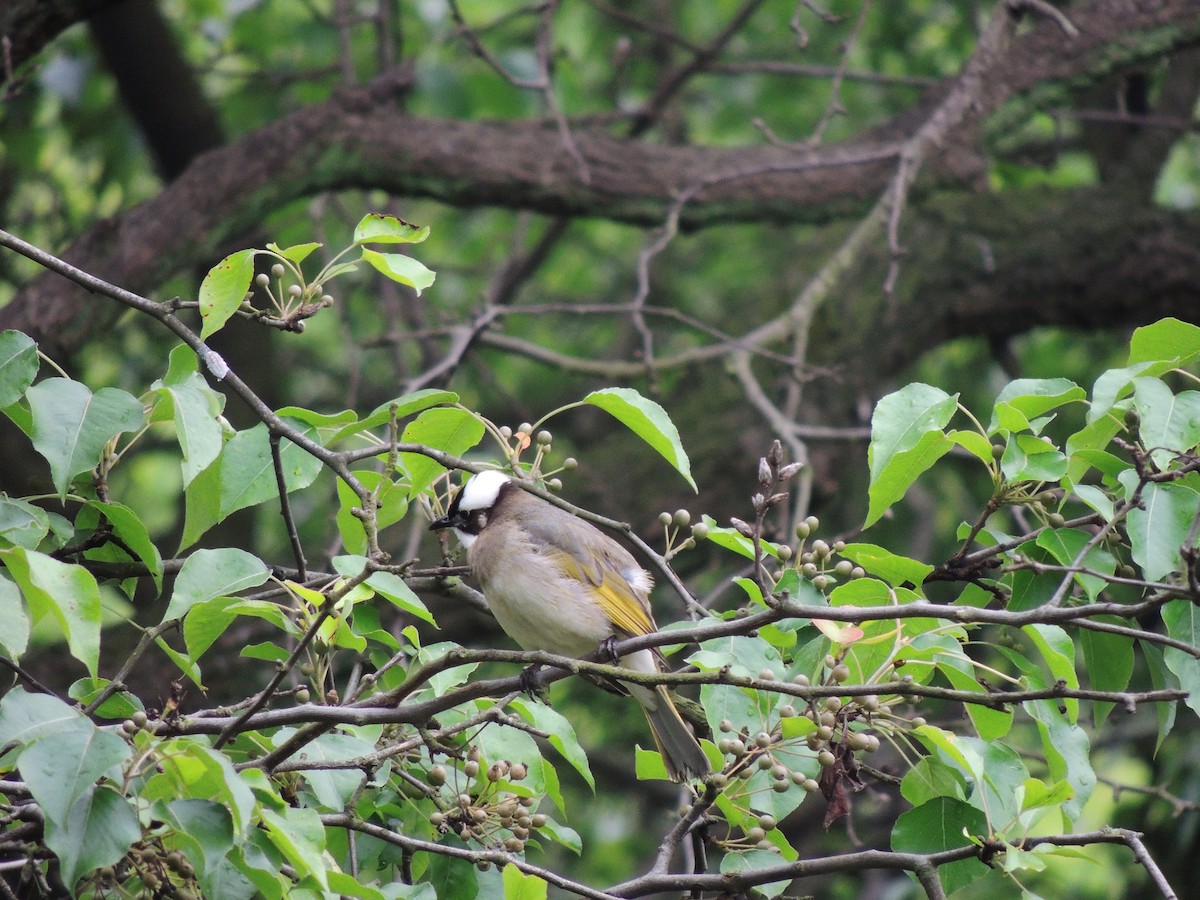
{"x": 525, "y": 428}
{"x": 277, "y": 270}
{"x": 840, "y": 674}
{"x": 471, "y": 768}
{"x": 544, "y": 438}
{"x": 726, "y": 726}
{"x": 570, "y": 464}
{"x": 766, "y": 821}
{"x": 262, "y": 279}
{"x": 682, "y": 518}
{"x": 437, "y": 776}
{"x": 518, "y": 771}
{"x": 826, "y": 759}
{"x": 303, "y": 695}
{"x": 813, "y": 523}
{"x": 762, "y": 739}
{"x": 664, "y": 519}
{"x": 700, "y": 531}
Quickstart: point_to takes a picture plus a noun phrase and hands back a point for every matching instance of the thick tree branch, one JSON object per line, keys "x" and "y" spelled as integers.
{"x": 361, "y": 139}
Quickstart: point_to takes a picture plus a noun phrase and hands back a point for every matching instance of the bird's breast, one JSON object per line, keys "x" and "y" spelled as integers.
{"x": 536, "y": 604}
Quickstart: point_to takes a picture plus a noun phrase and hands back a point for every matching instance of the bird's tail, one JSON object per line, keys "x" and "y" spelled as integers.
{"x": 679, "y": 748}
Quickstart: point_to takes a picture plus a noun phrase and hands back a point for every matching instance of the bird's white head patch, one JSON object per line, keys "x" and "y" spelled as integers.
{"x": 481, "y": 491}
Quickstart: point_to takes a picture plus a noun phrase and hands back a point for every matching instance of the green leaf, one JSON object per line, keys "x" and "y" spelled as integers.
{"x": 377, "y": 228}
{"x": 207, "y": 829}
{"x": 1058, "y": 652}
{"x": 647, "y": 420}
{"x": 72, "y": 426}
{"x": 214, "y": 573}
{"x": 18, "y": 366}
{"x": 332, "y": 787}
{"x": 1030, "y": 458}
{"x": 903, "y": 418}
{"x": 405, "y": 406}
{"x": 561, "y": 734}
{"x": 22, "y": 524}
{"x": 732, "y": 539}
{"x": 895, "y": 570}
{"x": 207, "y": 620}
{"x": 65, "y": 767}
{"x": 132, "y": 531}
{"x": 749, "y": 861}
{"x": 1168, "y": 423}
{"x": 14, "y": 623}
{"x": 973, "y": 442}
{"x": 1109, "y": 662}
{"x": 300, "y": 837}
{"x": 1168, "y": 339}
{"x": 1161, "y": 678}
{"x": 67, "y": 593}
{"x": 454, "y": 431}
{"x": 943, "y": 823}
{"x": 194, "y": 407}
{"x": 519, "y": 886}
{"x": 297, "y": 253}
{"x": 198, "y": 771}
{"x": 244, "y": 475}
{"x": 224, "y": 288}
{"x": 101, "y": 827}
{"x": 1033, "y": 397}
{"x": 1182, "y": 618}
{"x": 930, "y": 778}
{"x": 118, "y": 705}
{"x": 389, "y": 586}
{"x": 902, "y": 469}
{"x": 392, "y": 500}
{"x": 1065, "y": 545}
{"x": 401, "y": 268}
{"x": 26, "y": 717}
{"x": 990, "y": 724}
{"x": 1161, "y": 526}
{"x": 1067, "y": 753}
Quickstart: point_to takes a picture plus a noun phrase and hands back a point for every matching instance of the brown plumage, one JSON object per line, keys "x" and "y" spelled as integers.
{"x": 557, "y": 583}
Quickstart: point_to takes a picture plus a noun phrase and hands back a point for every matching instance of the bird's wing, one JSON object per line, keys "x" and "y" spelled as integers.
{"x": 628, "y": 611}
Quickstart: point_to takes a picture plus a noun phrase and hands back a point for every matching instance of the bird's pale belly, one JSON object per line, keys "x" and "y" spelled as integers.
{"x": 563, "y": 621}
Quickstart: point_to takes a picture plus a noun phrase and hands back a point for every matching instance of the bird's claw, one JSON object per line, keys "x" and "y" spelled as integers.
{"x": 608, "y": 649}
{"x": 529, "y": 682}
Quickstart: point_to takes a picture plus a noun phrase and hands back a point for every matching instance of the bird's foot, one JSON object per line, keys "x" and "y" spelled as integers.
{"x": 608, "y": 649}
{"x": 529, "y": 682}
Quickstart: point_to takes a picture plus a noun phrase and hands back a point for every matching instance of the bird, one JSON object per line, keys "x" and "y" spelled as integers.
{"x": 555, "y": 582}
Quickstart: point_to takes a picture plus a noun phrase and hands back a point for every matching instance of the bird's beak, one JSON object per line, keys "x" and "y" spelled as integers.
{"x": 447, "y": 521}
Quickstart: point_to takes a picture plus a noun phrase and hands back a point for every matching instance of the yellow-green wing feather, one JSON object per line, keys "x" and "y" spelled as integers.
{"x": 620, "y": 603}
